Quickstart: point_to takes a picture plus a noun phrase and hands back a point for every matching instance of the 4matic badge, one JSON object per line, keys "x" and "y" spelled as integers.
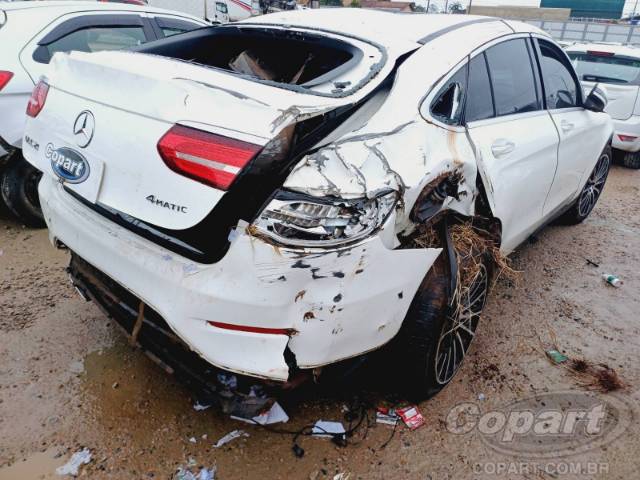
{"x": 171, "y": 206}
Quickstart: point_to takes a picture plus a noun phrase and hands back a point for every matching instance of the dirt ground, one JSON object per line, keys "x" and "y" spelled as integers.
{"x": 69, "y": 379}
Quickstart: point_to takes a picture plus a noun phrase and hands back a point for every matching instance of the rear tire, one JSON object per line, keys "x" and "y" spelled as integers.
{"x": 19, "y": 188}
{"x": 586, "y": 201}
{"x": 435, "y": 338}
{"x": 630, "y": 159}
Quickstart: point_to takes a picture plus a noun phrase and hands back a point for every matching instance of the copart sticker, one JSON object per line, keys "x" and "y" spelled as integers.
{"x": 69, "y": 165}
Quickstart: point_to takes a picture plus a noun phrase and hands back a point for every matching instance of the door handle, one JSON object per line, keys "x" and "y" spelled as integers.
{"x": 502, "y": 147}
{"x": 566, "y": 126}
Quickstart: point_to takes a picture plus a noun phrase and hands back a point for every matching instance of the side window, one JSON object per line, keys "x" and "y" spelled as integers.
{"x": 560, "y": 87}
{"x": 449, "y": 101}
{"x": 174, "y": 26}
{"x": 222, "y": 7}
{"x": 512, "y": 78}
{"x": 98, "y": 38}
{"x": 479, "y": 103}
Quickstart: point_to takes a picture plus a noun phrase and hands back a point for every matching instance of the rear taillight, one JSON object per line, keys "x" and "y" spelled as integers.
{"x": 597, "y": 53}
{"x": 208, "y": 158}
{"x": 38, "y": 99}
{"x": 4, "y": 78}
{"x": 626, "y": 138}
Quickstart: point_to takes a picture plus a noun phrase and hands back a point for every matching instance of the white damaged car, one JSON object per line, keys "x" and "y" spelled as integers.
{"x": 275, "y": 196}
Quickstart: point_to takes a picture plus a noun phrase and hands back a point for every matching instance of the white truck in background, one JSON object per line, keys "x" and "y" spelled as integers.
{"x": 215, "y": 11}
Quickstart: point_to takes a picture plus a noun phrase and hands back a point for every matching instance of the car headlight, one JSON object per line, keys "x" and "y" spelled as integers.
{"x": 301, "y": 220}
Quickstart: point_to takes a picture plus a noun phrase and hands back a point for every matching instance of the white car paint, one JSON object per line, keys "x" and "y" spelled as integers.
{"x": 623, "y": 103}
{"x": 342, "y": 298}
{"x": 25, "y": 24}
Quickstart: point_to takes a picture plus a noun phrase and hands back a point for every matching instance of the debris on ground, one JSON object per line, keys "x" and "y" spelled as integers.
{"x": 612, "y": 280}
{"x": 342, "y": 476}
{"x": 482, "y": 397}
{"x": 387, "y": 416}
{"x": 328, "y": 429}
{"x": 592, "y": 263}
{"x": 593, "y": 376}
{"x": 275, "y": 414}
{"x": 198, "y": 407}
{"x": 230, "y": 436}
{"x": 203, "y": 474}
{"x": 77, "y": 367}
{"x": 75, "y": 462}
{"x": 193, "y": 440}
{"x": 600, "y": 377}
{"x": 556, "y": 357}
{"x": 411, "y": 417}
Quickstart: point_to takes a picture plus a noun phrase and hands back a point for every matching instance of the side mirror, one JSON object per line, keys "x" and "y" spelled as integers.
{"x": 596, "y": 101}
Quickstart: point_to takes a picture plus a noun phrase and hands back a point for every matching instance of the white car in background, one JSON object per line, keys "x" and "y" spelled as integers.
{"x": 274, "y": 217}
{"x": 617, "y": 67}
{"x": 30, "y": 34}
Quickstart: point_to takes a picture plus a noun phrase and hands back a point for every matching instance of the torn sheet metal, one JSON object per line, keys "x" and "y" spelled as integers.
{"x": 406, "y": 159}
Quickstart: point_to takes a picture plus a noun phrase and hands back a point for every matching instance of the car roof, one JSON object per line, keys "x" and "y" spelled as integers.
{"x": 64, "y": 6}
{"x": 616, "y": 48}
{"x": 380, "y": 26}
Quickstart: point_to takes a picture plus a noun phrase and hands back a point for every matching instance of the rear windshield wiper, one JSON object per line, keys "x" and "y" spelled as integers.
{"x": 598, "y": 78}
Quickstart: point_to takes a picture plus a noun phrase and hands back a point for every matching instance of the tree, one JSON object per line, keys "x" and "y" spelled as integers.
{"x": 456, "y": 7}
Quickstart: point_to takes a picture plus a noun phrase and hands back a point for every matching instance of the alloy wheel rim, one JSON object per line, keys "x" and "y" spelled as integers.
{"x": 594, "y": 186}
{"x": 460, "y": 327}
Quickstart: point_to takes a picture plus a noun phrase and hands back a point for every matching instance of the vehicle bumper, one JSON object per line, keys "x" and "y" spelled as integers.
{"x": 12, "y": 119}
{"x": 630, "y": 127}
{"x": 340, "y": 303}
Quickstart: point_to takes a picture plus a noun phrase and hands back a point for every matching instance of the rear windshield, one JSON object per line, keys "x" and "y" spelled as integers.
{"x": 304, "y": 61}
{"x": 606, "y": 68}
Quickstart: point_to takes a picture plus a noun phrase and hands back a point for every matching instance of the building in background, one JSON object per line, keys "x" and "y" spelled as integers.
{"x": 589, "y": 8}
{"x": 521, "y": 13}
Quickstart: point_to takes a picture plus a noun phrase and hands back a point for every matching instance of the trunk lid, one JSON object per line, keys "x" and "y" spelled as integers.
{"x": 122, "y": 104}
{"x": 621, "y": 99}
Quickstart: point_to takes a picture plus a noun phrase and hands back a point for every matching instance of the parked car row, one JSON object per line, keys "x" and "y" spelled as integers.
{"x": 617, "y": 67}
{"x": 283, "y": 194}
{"x": 31, "y": 33}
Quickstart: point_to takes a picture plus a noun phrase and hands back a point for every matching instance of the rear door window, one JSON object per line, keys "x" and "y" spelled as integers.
{"x": 98, "y": 39}
{"x": 174, "y": 26}
{"x": 479, "y": 103}
{"x": 448, "y": 104}
{"x": 512, "y": 78}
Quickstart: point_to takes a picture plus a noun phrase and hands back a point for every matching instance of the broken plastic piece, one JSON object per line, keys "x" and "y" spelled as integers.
{"x": 388, "y": 416}
{"x": 198, "y": 407}
{"x": 230, "y": 436}
{"x": 275, "y": 414}
{"x": 612, "y": 280}
{"x": 75, "y": 462}
{"x": 204, "y": 474}
{"x": 556, "y": 357}
{"x": 326, "y": 429}
{"x": 411, "y": 417}
{"x": 228, "y": 380}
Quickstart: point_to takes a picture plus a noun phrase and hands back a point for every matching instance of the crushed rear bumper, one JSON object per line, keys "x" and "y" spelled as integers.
{"x": 155, "y": 336}
{"x": 334, "y": 304}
